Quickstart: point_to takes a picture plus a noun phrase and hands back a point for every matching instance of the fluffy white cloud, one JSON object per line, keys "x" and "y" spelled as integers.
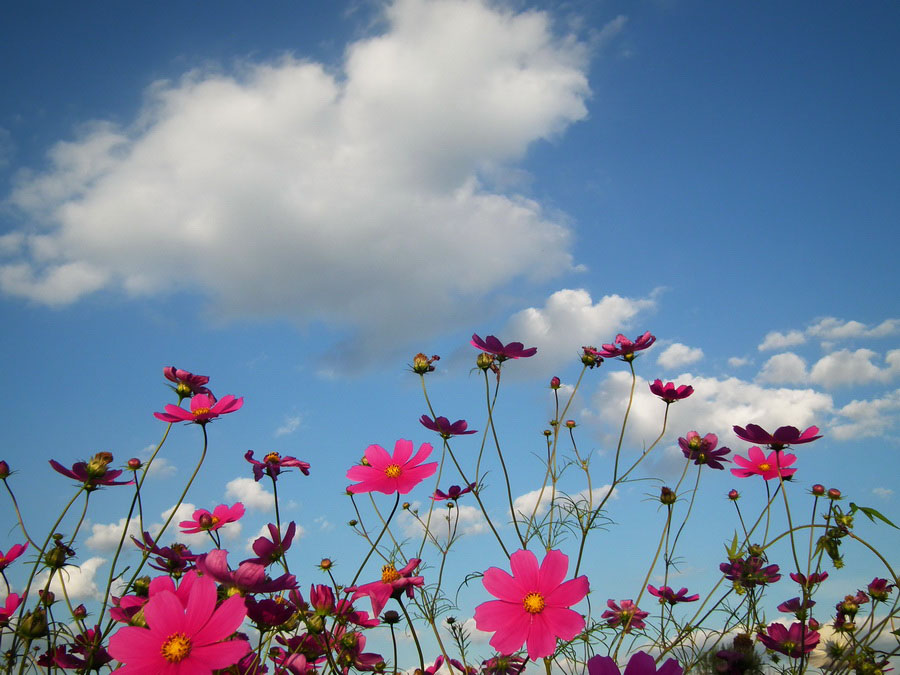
{"x": 883, "y": 492}
{"x": 865, "y": 419}
{"x": 106, "y": 537}
{"x": 738, "y": 361}
{"x": 336, "y": 185}
{"x": 465, "y": 518}
{"x": 831, "y": 328}
{"x": 570, "y": 319}
{"x": 851, "y": 368}
{"x": 787, "y": 368}
{"x": 776, "y": 340}
{"x": 79, "y": 580}
{"x": 677, "y": 355}
{"x": 527, "y": 504}
{"x": 250, "y": 493}
{"x": 291, "y": 424}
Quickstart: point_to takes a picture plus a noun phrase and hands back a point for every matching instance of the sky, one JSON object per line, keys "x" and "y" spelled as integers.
{"x": 296, "y": 198}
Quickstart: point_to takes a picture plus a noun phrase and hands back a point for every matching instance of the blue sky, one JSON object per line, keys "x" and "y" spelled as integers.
{"x": 296, "y": 198}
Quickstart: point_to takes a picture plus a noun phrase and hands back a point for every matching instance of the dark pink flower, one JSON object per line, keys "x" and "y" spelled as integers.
{"x": 750, "y": 572}
{"x": 270, "y": 551}
{"x": 14, "y": 552}
{"x": 666, "y": 594}
{"x": 204, "y": 521}
{"x": 393, "y": 583}
{"x": 457, "y": 666}
{"x": 758, "y": 464}
{"x": 809, "y": 582}
{"x": 669, "y": 393}
{"x": 273, "y": 463}
{"x": 794, "y": 641}
{"x": 9, "y": 607}
{"x": 533, "y": 605}
{"x": 503, "y": 665}
{"x": 247, "y": 578}
{"x": 878, "y": 588}
{"x": 186, "y": 384}
{"x": 625, "y": 348}
{"x": 443, "y": 426}
{"x": 175, "y": 559}
{"x": 392, "y": 473}
{"x": 628, "y": 615}
{"x": 797, "y": 607}
{"x": 783, "y": 436}
{"x": 640, "y": 663}
{"x": 454, "y": 492}
{"x": 204, "y": 408}
{"x": 93, "y": 473}
{"x": 513, "y": 350}
{"x": 182, "y": 638}
{"x": 703, "y": 450}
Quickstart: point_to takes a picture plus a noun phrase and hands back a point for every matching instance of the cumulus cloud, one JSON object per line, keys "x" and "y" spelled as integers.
{"x": 738, "y": 361}
{"x": 106, "y": 537}
{"x": 776, "y": 340}
{"x": 291, "y": 424}
{"x": 250, "y": 493}
{"x": 786, "y": 368}
{"x": 79, "y": 580}
{"x": 865, "y": 419}
{"x": 465, "y": 518}
{"x": 537, "y": 502}
{"x": 677, "y": 355}
{"x": 844, "y": 367}
{"x": 831, "y": 328}
{"x": 336, "y": 184}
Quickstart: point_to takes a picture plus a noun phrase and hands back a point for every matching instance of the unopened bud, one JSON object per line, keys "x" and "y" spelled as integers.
{"x": 547, "y": 432}
{"x": 351, "y": 523}
{"x": 813, "y": 624}
{"x": 834, "y": 493}
{"x": 134, "y": 464}
{"x": 755, "y": 551}
{"x": 570, "y": 424}
{"x": 555, "y": 383}
{"x": 326, "y": 564}
{"x": 205, "y": 521}
{"x": 667, "y": 496}
{"x": 818, "y": 490}
{"x": 47, "y": 597}
{"x": 390, "y": 617}
{"x": 33, "y": 624}
{"x": 4, "y": 470}
{"x": 734, "y": 495}
{"x": 141, "y": 586}
{"x": 79, "y": 612}
{"x": 484, "y": 361}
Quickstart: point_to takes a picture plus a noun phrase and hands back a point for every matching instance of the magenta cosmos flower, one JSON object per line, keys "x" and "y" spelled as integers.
{"x": 703, "y": 450}
{"x": 386, "y": 473}
{"x": 783, "y": 436}
{"x": 204, "y": 521}
{"x": 93, "y": 473}
{"x": 666, "y": 594}
{"x": 533, "y": 605}
{"x": 393, "y": 584}
{"x": 640, "y": 663}
{"x": 186, "y": 384}
{"x": 669, "y": 393}
{"x": 623, "y": 347}
{"x": 204, "y": 408}
{"x": 794, "y": 641}
{"x": 513, "y": 350}
{"x": 182, "y": 638}
{"x": 270, "y": 551}
{"x": 14, "y": 552}
{"x": 443, "y": 426}
{"x": 628, "y": 616}
{"x": 249, "y": 577}
{"x": 454, "y": 492}
{"x": 758, "y": 464}
{"x": 273, "y": 463}
{"x": 9, "y": 608}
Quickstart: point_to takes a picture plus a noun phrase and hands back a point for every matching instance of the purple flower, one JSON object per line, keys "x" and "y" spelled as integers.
{"x": 640, "y": 663}
{"x": 812, "y": 580}
{"x": 783, "y": 436}
{"x": 628, "y": 615}
{"x": 174, "y": 560}
{"x": 878, "y": 588}
{"x": 513, "y": 350}
{"x": 794, "y": 641}
{"x": 669, "y": 393}
{"x": 666, "y": 594}
{"x": 442, "y": 426}
{"x": 249, "y": 577}
{"x": 625, "y": 348}
{"x": 454, "y": 492}
{"x": 273, "y": 463}
{"x": 93, "y": 473}
{"x": 796, "y": 607}
{"x": 703, "y": 450}
{"x": 269, "y": 551}
{"x": 751, "y": 572}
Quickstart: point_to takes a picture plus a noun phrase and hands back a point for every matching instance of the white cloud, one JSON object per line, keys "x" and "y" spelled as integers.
{"x": 468, "y": 520}
{"x": 79, "y": 580}
{"x": 106, "y": 537}
{"x": 525, "y": 504}
{"x": 336, "y": 185}
{"x": 776, "y": 340}
{"x": 865, "y": 419}
{"x": 250, "y": 493}
{"x": 831, "y": 328}
{"x": 738, "y": 361}
{"x": 786, "y": 368}
{"x": 291, "y": 424}
{"x": 677, "y": 355}
{"x": 570, "y": 319}
{"x": 882, "y": 492}
{"x": 851, "y": 368}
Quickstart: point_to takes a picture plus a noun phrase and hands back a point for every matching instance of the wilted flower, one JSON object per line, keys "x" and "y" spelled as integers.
{"x": 878, "y": 588}
{"x": 758, "y": 464}
{"x": 454, "y": 492}
{"x": 272, "y": 465}
{"x": 783, "y": 436}
{"x": 422, "y": 364}
{"x": 443, "y": 426}
{"x": 204, "y": 408}
{"x": 513, "y": 350}
{"x": 703, "y": 450}
{"x": 668, "y": 392}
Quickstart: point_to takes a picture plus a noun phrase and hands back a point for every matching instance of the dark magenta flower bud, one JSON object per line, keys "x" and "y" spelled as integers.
{"x": 818, "y": 490}
{"x": 834, "y": 493}
{"x": 134, "y": 464}
{"x": 555, "y": 382}
{"x": 733, "y": 495}
{"x": 4, "y": 470}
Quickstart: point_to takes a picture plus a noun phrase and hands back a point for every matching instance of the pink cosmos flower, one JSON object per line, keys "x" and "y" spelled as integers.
{"x": 666, "y": 594}
{"x": 14, "y": 552}
{"x": 794, "y": 641}
{"x": 759, "y": 464}
{"x": 503, "y": 665}
{"x": 669, "y": 393}
{"x": 640, "y": 663}
{"x": 513, "y": 350}
{"x": 629, "y": 615}
{"x": 703, "y": 450}
{"x": 392, "y": 473}
{"x": 625, "y": 348}
{"x": 204, "y": 521}
{"x": 9, "y": 608}
{"x": 443, "y": 426}
{"x": 270, "y": 551}
{"x": 533, "y": 605}
{"x": 204, "y": 408}
{"x": 93, "y": 473}
{"x": 783, "y": 436}
{"x": 186, "y": 384}
{"x": 392, "y": 584}
{"x": 273, "y": 463}
{"x": 182, "y": 638}
{"x": 249, "y": 577}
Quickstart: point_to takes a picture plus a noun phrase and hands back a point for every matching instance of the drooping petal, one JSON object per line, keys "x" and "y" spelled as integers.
{"x": 640, "y": 663}
{"x": 602, "y": 665}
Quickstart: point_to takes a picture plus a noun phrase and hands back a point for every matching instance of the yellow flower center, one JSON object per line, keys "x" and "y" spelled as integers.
{"x": 694, "y": 443}
{"x": 389, "y": 573}
{"x": 176, "y": 647}
{"x": 765, "y": 466}
{"x": 533, "y": 603}
{"x": 200, "y": 411}
{"x": 392, "y": 471}
{"x": 272, "y": 457}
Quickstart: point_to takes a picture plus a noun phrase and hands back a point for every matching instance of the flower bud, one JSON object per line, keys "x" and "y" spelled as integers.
{"x": 484, "y": 360}
{"x": 590, "y": 358}
{"x": 813, "y": 624}
{"x": 352, "y": 523}
{"x": 547, "y": 432}
{"x": 555, "y": 382}
{"x": 205, "y": 521}
{"x": 33, "y": 624}
{"x": 55, "y": 557}
{"x": 4, "y": 470}
{"x": 734, "y": 495}
{"x": 818, "y": 490}
{"x": 141, "y": 587}
{"x": 834, "y": 493}
{"x": 326, "y": 564}
{"x": 316, "y": 623}
{"x": 47, "y": 597}
{"x": 406, "y": 506}
{"x": 755, "y": 551}
{"x": 390, "y": 617}
{"x": 667, "y": 496}
{"x": 79, "y": 612}
{"x": 422, "y": 364}
{"x": 134, "y": 464}
{"x": 570, "y": 424}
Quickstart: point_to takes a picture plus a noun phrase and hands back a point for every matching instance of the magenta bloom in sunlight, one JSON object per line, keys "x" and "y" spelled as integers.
{"x": 14, "y": 552}
{"x": 181, "y": 638}
{"x": 204, "y": 408}
{"x": 793, "y": 641}
{"x": 640, "y": 663}
{"x": 669, "y": 393}
{"x": 386, "y": 473}
{"x": 628, "y": 615}
{"x": 758, "y": 464}
{"x": 94, "y": 473}
{"x": 783, "y": 436}
{"x": 513, "y": 350}
{"x": 393, "y": 584}
{"x": 533, "y": 605}
{"x": 625, "y": 348}
{"x": 269, "y": 551}
{"x": 666, "y": 594}
{"x": 249, "y": 577}
{"x": 454, "y": 492}
{"x": 444, "y": 428}
{"x": 204, "y": 521}
{"x": 703, "y": 450}
{"x": 9, "y": 608}
{"x": 272, "y": 465}
{"x": 186, "y": 384}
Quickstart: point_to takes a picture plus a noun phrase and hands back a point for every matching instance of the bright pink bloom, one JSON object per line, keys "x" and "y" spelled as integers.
{"x": 14, "y": 552}
{"x": 533, "y": 605}
{"x": 270, "y": 551}
{"x": 666, "y": 594}
{"x": 10, "y": 606}
{"x": 629, "y": 615}
{"x": 759, "y": 464}
{"x": 640, "y": 663}
{"x": 186, "y": 384}
{"x": 249, "y": 577}
{"x": 668, "y": 392}
{"x": 182, "y": 638}
{"x": 204, "y": 408}
{"x": 393, "y": 583}
{"x": 625, "y": 348}
{"x": 392, "y": 473}
{"x": 783, "y": 436}
{"x": 513, "y": 350}
{"x": 273, "y": 463}
{"x": 204, "y": 521}
{"x": 443, "y": 426}
{"x": 794, "y": 641}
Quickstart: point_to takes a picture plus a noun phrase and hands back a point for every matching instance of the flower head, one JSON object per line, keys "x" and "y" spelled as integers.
{"x": 794, "y": 641}
{"x": 513, "y": 350}
{"x": 14, "y": 552}
{"x": 878, "y": 588}
{"x": 625, "y": 348}
{"x": 503, "y": 665}
{"x": 758, "y": 464}
{"x": 640, "y": 663}
{"x": 443, "y": 426}
{"x": 93, "y": 473}
{"x": 393, "y": 584}
{"x": 628, "y": 615}
{"x": 750, "y": 572}
{"x": 533, "y": 605}
{"x": 186, "y": 384}
{"x": 399, "y": 472}
{"x": 204, "y": 521}
{"x": 783, "y": 436}
{"x": 797, "y": 607}
{"x": 808, "y": 582}
{"x": 273, "y": 463}
{"x": 270, "y": 551}
{"x": 175, "y": 559}
{"x": 204, "y": 408}
{"x": 669, "y": 393}
{"x": 422, "y": 364}
{"x": 182, "y": 637}
{"x": 703, "y": 450}
{"x": 9, "y": 607}
{"x": 666, "y": 594}
{"x": 454, "y": 492}
{"x": 249, "y": 577}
